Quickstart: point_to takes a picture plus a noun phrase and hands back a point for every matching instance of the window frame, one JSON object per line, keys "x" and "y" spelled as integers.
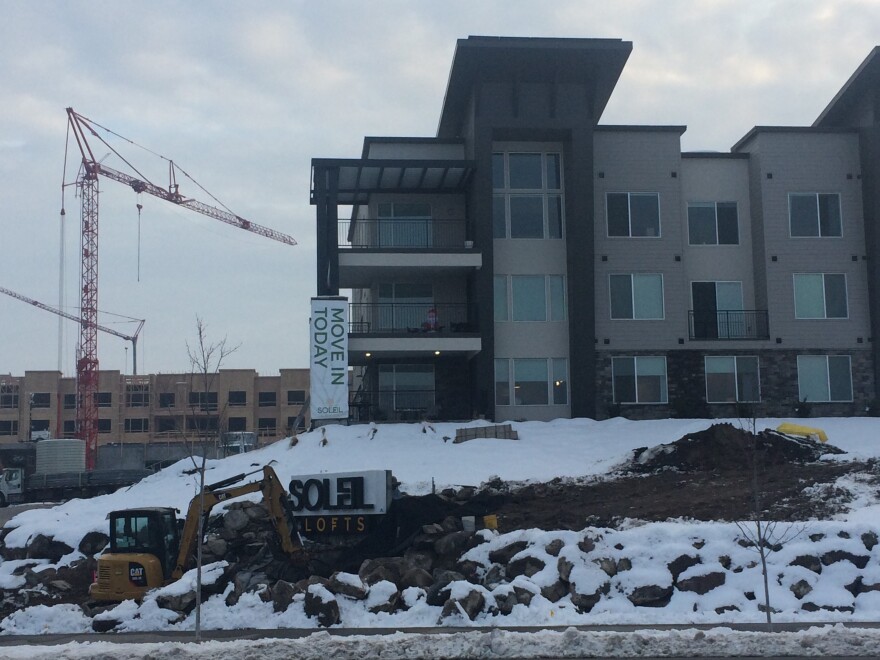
{"x": 129, "y": 425}
{"x": 825, "y": 316}
{"x": 816, "y": 196}
{"x": 636, "y": 359}
{"x": 826, "y": 358}
{"x": 736, "y": 371}
{"x": 551, "y": 364}
{"x": 632, "y": 294}
{"x": 292, "y": 401}
{"x": 629, "y": 196}
{"x": 239, "y": 401}
{"x": 714, "y": 206}
{"x": 10, "y": 396}
{"x": 506, "y": 193}
{"x": 263, "y": 399}
{"x": 503, "y": 292}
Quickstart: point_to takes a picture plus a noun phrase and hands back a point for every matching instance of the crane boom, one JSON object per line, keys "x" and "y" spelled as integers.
{"x": 87, "y": 183}
{"x": 36, "y": 303}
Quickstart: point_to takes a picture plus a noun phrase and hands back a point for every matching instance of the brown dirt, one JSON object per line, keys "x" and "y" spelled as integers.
{"x": 704, "y": 476}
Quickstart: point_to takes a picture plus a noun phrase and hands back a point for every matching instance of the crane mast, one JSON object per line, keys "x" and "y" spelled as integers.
{"x": 87, "y": 183}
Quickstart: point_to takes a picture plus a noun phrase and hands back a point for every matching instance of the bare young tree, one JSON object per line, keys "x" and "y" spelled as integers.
{"x": 764, "y": 535}
{"x": 205, "y": 358}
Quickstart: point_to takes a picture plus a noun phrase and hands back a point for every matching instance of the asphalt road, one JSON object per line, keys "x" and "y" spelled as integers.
{"x": 9, "y": 512}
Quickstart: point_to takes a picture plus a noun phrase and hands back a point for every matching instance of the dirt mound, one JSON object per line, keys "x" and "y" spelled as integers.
{"x": 724, "y": 447}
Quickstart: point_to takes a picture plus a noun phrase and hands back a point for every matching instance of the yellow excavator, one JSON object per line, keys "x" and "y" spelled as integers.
{"x": 149, "y": 550}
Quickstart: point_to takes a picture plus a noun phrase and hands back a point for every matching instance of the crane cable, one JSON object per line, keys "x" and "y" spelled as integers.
{"x": 139, "y": 208}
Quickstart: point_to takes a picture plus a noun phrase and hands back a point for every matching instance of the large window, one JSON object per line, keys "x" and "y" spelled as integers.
{"x": 137, "y": 396}
{"x": 236, "y": 424}
{"x": 237, "y": 398}
{"x": 267, "y": 426}
{"x": 732, "y": 379}
{"x": 718, "y": 310}
{"x": 820, "y": 296}
{"x": 8, "y": 427}
{"x": 203, "y": 400}
{"x": 531, "y": 298}
{"x": 713, "y": 223}
{"x": 70, "y": 401}
{"x": 814, "y": 214}
{"x": 824, "y": 378}
{"x": 406, "y": 387}
{"x": 104, "y": 399}
{"x": 404, "y": 305}
{"x": 633, "y": 214}
{"x": 528, "y": 195}
{"x": 636, "y": 296}
{"x": 105, "y": 425}
{"x": 639, "y": 379}
{"x": 8, "y": 395}
{"x": 531, "y": 381}
{"x": 137, "y": 425}
{"x": 267, "y": 399}
{"x": 296, "y": 397}
{"x": 166, "y": 399}
{"x": 405, "y": 224}
{"x": 43, "y": 400}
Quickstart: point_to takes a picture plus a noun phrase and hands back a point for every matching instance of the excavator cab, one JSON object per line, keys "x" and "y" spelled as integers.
{"x": 144, "y": 544}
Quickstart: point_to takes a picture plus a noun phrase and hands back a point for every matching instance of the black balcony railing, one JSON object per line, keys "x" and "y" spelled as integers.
{"x": 393, "y": 405}
{"x": 729, "y": 324}
{"x": 411, "y": 318}
{"x": 402, "y": 233}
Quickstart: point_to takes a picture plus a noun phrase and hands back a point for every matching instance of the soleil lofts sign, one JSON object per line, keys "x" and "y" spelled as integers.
{"x": 328, "y": 343}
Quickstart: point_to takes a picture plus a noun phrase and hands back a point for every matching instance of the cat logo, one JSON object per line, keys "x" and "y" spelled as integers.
{"x": 137, "y": 574}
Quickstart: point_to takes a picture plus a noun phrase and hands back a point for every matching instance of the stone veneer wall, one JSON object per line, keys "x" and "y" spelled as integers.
{"x": 686, "y": 384}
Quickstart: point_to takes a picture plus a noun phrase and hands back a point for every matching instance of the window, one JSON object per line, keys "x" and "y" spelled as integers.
{"x": 165, "y": 425}
{"x": 296, "y": 397}
{"x": 137, "y": 425}
{"x": 718, "y": 311}
{"x": 105, "y": 425}
{"x": 633, "y": 214}
{"x": 292, "y": 425}
{"x": 202, "y": 424}
{"x": 405, "y": 224}
{"x": 267, "y": 425}
{"x": 40, "y": 400}
{"x": 532, "y": 298}
{"x": 713, "y": 223}
{"x": 237, "y": 398}
{"x": 732, "y": 379}
{"x": 39, "y": 425}
{"x": 636, "y": 296}
{"x": 137, "y": 396}
{"x": 69, "y": 428}
{"x": 536, "y": 381}
{"x": 8, "y": 427}
{"x": 528, "y": 195}
{"x": 267, "y": 399}
{"x": 203, "y": 400}
{"x": 70, "y": 401}
{"x": 405, "y": 305}
{"x": 166, "y": 399}
{"x": 8, "y": 396}
{"x": 824, "y": 378}
{"x": 407, "y": 387}
{"x": 103, "y": 399}
{"x": 820, "y": 296}
{"x": 814, "y": 214}
{"x": 639, "y": 379}
{"x": 237, "y": 424}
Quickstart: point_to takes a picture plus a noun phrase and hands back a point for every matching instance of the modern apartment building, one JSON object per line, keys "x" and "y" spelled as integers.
{"x": 157, "y": 407}
{"x": 529, "y": 262}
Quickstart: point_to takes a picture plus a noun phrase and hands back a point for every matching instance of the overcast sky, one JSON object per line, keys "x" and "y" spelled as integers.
{"x": 244, "y": 94}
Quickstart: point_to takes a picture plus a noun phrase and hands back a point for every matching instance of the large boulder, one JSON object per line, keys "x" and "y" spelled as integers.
{"x": 680, "y": 564}
{"x": 383, "y": 597}
{"x": 347, "y": 584}
{"x": 470, "y": 605}
{"x": 92, "y": 543}
{"x": 651, "y": 595}
{"x": 702, "y": 584}
{"x": 322, "y": 604}
{"x": 282, "y": 595}
{"x": 527, "y": 566}
{"x": 505, "y": 554}
{"x": 46, "y": 547}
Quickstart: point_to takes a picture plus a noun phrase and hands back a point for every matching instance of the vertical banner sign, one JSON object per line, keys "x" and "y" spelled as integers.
{"x": 328, "y": 340}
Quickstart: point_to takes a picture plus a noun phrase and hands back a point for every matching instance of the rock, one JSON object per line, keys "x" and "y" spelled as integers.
{"x": 46, "y": 547}
{"x": 282, "y": 595}
{"x": 235, "y": 520}
{"x": 555, "y": 591}
{"x": 452, "y": 545}
{"x": 505, "y": 554}
{"x": 216, "y": 546}
{"x": 587, "y": 545}
{"x": 651, "y": 596}
{"x": 92, "y": 543}
{"x": 702, "y": 584}
{"x": 382, "y": 568}
{"x": 564, "y": 567}
{"x": 465, "y": 493}
{"x": 505, "y": 602}
{"x": 586, "y": 602}
{"x": 256, "y": 512}
{"x": 60, "y": 585}
{"x": 416, "y": 577}
{"x": 434, "y": 529}
{"x": 347, "y": 584}
{"x": 451, "y": 523}
{"x": 800, "y": 589}
{"x": 725, "y": 561}
{"x": 608, "y": 565}
{"x": 247, "y": 581}
{"x": 680, "y": 564}
{"x": 471, "y": 605}
{"x": 443, "y": 576}
{"x": 726, "y": 608}
{"x": 810, "y": 562}
{"x": 855, "y": 587}
{"x": 469, "y": 569}
{"x": 870, "y": 540}
{"x": 438, "y": 593}
{"x": 527, "y": 566}
{"x": 523, "y": 596}
{"x": 860, "y": 561}
{"x": 184, "y": 603}
{"x": 494, "y": 576}
{"x": 423, "y": 559}
{"x": 104, "y": 625}
{"x": 554, "y": 547}
{"x": 388, "y": 599}
{"x": 320, "y": 603}
{"x": 625, "y": 564}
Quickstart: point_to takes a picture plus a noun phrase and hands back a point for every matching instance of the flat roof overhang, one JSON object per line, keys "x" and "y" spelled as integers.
{"x": 425, "y": 347}
{"x": 359, "y": 268}
{"x": 597, "y": 62}
{"x": 361, "y": 177}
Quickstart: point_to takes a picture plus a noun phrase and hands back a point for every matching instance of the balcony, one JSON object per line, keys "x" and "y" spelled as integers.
{"x": 402, "y": 234}
{"x": 728, "y": 325}
{"x": 375, "y": 249}
{"x": 393, "y": 405}
{"x": 411, "y": 330}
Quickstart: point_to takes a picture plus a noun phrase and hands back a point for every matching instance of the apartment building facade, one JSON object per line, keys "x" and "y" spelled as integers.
{"x": 157, "y": 407}
{"x": 531, "y": 263}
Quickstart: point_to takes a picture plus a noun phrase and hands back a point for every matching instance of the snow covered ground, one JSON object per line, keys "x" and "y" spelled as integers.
{"x": 423, "y": 456}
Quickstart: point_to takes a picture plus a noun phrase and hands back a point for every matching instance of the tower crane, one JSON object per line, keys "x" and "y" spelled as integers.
{"x": 87, "y": 184}
{"x": 132, "y": 338}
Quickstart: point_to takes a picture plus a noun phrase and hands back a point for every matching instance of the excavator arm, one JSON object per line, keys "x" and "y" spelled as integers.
{"x": 274, "y": 497}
